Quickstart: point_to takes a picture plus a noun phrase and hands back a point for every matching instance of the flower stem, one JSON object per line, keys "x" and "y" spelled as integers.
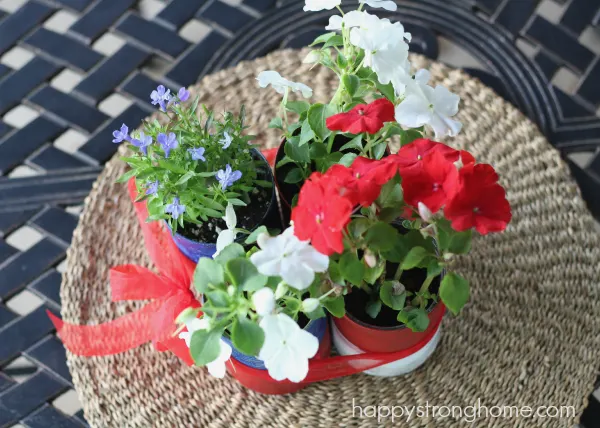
{"x": 398, "y": 273}
{"x": 426, "y": 284}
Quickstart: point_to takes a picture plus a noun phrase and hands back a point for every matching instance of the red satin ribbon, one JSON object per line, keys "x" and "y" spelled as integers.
{"x": 169, "y": 292}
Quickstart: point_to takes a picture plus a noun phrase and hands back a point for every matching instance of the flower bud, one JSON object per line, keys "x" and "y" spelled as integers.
{"x": 312, "y": 57}
{"x": 264, "y": 301}
{"x": 448, "y": 256}
{"x": 370, "y": 259}
{"x": 280, "y": 290}
{"x": 425, "y": 213}
{"x": 309, "y": 305}
{"x": 428, "y": 231}
{"x": 231, "y": 290}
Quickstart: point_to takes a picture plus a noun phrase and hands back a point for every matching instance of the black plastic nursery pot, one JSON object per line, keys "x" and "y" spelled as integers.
{"x": 261, "y": 211}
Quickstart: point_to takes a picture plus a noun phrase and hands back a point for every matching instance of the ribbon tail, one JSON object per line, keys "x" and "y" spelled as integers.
{"x": 334, "y": 367}
{"x": 109, "y": 338}
{"x": 163, "y": 322}
{"x": 131, "y": 282}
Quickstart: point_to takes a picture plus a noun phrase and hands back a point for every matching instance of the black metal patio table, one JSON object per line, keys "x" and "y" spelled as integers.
{"x": 80, "y": 82}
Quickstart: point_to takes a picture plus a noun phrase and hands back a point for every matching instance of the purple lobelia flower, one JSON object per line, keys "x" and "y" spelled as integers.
{"x": 226, "y": 141}
{"x": 142, "y": 142}
{"x": 175, "y": 208}
{"x": 183, "y": 94}
{"x": 121, "y": 135}
{"x": 227, "y": 177}
{"x": 197, "y": 153}
{"x": 161, "y": 96}
{"x": 152, "y": 187}
{"x": 167, "y": 142}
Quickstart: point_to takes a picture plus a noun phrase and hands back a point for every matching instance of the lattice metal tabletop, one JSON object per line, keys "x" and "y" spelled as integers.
{"x": 71, "y": 71}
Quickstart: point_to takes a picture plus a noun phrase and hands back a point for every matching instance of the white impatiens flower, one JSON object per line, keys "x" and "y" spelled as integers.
{"x": 382, "y": 4}
{"x": 227, "y": 236}
{"x": 270, "y": 77}
{"x": 424, "y": 105}
{"x": 285, "y": 255}
{"x": 317, "y": 5}
{"x": 264, "y": 301}
{"x": 386, "y": 52}
{"x": 287, "y": 348}
{"x": 217, "y": 367}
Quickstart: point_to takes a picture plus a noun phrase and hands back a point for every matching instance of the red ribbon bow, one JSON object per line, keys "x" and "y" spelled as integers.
{"x": 169, "y": 291}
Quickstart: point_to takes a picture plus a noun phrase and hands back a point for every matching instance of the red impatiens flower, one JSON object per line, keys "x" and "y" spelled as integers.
{"x": 321, "y": 216}
{"x": 363, "y": 118}
{"x": 479, "y": 201}
{"x": 433, "y": 184}
{"x": 409, "y": 158}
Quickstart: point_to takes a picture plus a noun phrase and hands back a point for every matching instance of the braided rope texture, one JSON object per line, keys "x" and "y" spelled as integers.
{"x": 528, "y": 337}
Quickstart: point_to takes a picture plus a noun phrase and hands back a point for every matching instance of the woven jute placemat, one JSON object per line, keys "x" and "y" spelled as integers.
{"x": 528, "y": 337}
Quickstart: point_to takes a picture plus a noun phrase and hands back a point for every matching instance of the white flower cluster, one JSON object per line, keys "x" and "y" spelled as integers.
{"x": 385, "y": 45}
{"x": 287, "y": 347}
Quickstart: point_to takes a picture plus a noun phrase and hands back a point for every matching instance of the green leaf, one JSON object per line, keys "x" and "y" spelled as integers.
{"x": 461, "y": 242}
{"x": 454, "y": 292}
{"x": 206, "y": 174}
{"x": 336, "y": 40}
{"x": 232, "y": 251}
{"x": 326, "y": 162}
{"x": 247, "y": 336}
{"x": 318, "y": 150}
{"x": 381, "y": 236}
{"x": 373, "y": 308}
{"x": 216, "y": 298}
{"x": 379, "y": 150}
{"x": 335, "y": 273}
{"x": 391, "y": 195}
{"x": 352, "y": 268}
{"x": 237, "y": 202}
{"x": 389, "y": 297}
{"x": 205, "y": 346}
{"x": 341, "y": 60}
{"x": 347, "y": 159}
{"x": 297, "y": 106}
{"x": 415, "y": 318}
{"x": 353, "y": 144}
{"x": 296, "y": 152}
{"x": 373, "y": 274}
{"x": 434, "y": 268}
{"x": 251, "y": 239}
{"x": 317, "y": 115}
{"x": 306, "y": 134}
{"x": 414, "y": 258}
{"x": 409, "y": 136}
{"x": 240, "y": 270}
{"x": 294, "y": 176}
{"x": 125, "y": 177}
{"x": 335, "y": 306}
{"x": 276, "y": 123}
{"x": 358, "y": 227}
{"x": 351, "y": 83}
{"x": 185, "y": 178}
{"x": 208, "y": 272}
{"x": 323, "y": 38}
{"x": 171, "y": 166}
{"x": 255, "y": 283}
{"x": 316, "y": 314}
{"x": 387, "y": 91}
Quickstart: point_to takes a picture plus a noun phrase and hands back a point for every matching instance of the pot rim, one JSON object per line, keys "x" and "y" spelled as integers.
{"x": 389, "y": 328}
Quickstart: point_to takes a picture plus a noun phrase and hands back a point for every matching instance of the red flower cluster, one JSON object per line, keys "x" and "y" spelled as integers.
{"x": 470, "y": 194}
{"x": 363, "y": 118}
{"x": 432, "y": 173}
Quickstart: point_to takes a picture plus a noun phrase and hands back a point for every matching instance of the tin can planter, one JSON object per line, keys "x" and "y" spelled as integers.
{"x": 352, "y": 336}
{"x": 251, "y": 372}
{"x": 261, "y": 211}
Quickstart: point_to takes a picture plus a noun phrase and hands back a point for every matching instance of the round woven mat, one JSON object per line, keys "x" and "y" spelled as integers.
{"x": 529, "y": 336}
